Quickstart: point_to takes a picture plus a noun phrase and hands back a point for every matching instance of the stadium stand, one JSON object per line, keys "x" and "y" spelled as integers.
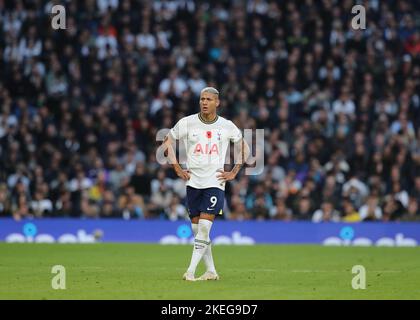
{"x": 80, "y": 107}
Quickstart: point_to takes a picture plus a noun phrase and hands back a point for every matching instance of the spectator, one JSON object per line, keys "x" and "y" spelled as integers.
{"x": 132, "y": 205}
{"x": 371, "y": 210}
{"x": 108, "y": 206}
{"x": 281, "y": 211}
{"x": 64, "y": 206}
{"x": 350, "y": 214}
{"x": 413, "y": 211}
{"x": 344, "y": 104}
{"x": 416, "y": 189}
{"x": 141, "y": 181}
{"x": 176, "y": 211}
{"x": 5, "y": 209}
{"x": 303, "y": 210}
{"x": 160, "y": 200}
{"x": 239, "y": 212}
{"x": 259, "y": 209}
{"x": 326, "y": 213}
{"x": 264, "y": 197}
{"x": 356, "y": 191}
{"x": 41, "y": 205}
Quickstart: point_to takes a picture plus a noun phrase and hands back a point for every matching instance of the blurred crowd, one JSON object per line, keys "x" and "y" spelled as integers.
{"x": 80, "y": 107}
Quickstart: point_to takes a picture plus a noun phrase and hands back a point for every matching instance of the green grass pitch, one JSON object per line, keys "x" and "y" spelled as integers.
{"x": 146, "y": 271}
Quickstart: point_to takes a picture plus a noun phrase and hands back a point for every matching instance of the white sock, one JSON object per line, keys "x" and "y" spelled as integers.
{"x": 208, "y": 256}
{"x": 201, "y": 242}
{"x": 208, "y": 260}
{"x": 194, "y": 227}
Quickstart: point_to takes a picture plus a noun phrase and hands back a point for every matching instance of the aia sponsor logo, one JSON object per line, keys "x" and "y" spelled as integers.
{"x": 206, "y": 149}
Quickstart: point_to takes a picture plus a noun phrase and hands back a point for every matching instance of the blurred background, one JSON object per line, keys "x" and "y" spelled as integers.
{"x": 80, "y": 107}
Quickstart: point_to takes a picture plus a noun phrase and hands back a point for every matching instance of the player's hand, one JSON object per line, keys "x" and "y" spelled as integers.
{"x": 225, "y": 175}
{"x": 183, "y": 174}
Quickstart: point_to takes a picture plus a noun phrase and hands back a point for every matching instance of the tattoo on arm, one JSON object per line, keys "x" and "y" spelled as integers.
{"x": 236, "y": 168}
{"x": 170, "y": 153}
{"x": 243, "y": 150}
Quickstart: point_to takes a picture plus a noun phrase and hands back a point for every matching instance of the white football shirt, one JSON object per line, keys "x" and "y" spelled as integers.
{"x": 206, "y": 144}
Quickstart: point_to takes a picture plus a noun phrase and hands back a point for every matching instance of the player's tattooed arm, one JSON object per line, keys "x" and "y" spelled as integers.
{"x": 244, "y": 152}
{"x": 170, "y": 154}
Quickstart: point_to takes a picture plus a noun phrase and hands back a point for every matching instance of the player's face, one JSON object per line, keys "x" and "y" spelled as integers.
{"x": 208, "y": 103}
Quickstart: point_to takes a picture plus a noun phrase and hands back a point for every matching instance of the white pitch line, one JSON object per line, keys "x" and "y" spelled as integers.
{"x": 303, "y": 271}
{"x": 320, "y": 271}
{"x": 256, "y": 270}
{"x": 252, "y": 270}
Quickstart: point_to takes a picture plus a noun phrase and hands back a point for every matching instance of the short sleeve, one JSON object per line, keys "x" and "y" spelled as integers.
{"x": 235, "y": 134}
{"x": 179, "y": 131}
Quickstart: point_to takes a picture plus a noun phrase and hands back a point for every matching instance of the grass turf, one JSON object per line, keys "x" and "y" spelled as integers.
{"x": 146, "y": 271}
